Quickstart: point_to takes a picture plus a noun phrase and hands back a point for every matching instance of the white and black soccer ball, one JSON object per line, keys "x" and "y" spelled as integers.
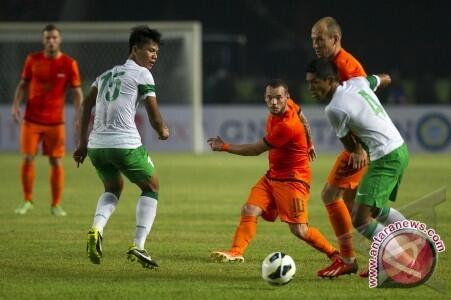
{"x": 278, "y": 268}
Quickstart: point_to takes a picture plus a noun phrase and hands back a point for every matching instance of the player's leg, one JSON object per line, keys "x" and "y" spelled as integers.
{"x": 259, "y": 203}
{"x": 292, "y": 203}
{"x": 244, "y": 233}
{"x": 379, "y": 185}
{"x": 340, "y": 220}
{"x": 54, "y": 147}
{"x": 30, "y": 137}
{"x": 56, "y": 184}
{"x": 139, "y": 168}
{"x": 349, "y": 195}
{"x": 107, "y": 202}
{"x": 338, "y": 197}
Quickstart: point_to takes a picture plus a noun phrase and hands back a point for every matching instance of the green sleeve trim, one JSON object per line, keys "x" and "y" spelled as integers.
{"x": 374, "y": 82}
{"x": 145, "y": 89}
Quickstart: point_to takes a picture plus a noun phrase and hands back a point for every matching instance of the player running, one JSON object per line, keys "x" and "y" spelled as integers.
{"x": 339, "y": 192}
{"x": 366, "y": 130}
{"x": 284, "y": 190}
{"x": 115, "y": 146}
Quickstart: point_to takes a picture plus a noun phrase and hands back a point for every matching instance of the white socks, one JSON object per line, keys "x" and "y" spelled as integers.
{"x": 146, "y": 209}
{"x": 105, "y": 207}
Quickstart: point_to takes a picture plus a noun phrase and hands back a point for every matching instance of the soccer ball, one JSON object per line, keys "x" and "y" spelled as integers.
{"x": 278, "y": 268}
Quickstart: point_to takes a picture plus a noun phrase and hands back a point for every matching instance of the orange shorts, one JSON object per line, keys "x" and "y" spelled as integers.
{"x": 52, "y": 137}
{"x": 286, "y": 199}
{"x": 344, "y": 176}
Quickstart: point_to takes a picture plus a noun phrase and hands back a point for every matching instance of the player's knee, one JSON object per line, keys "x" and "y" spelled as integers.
{"x": 117, "y": 193}
{"x": 151, "y": 185}
{"x": 299, "y": 230}
{"x": 27, "y": 158}
{"x": 55, "y": 162}
{"x": 375, "y": 212}
{"x": 114, "y": 187}
{"x": 154, "y": 183}
{"x": 327, "y": 195}
{"x": 357, "y": 220}
{"x": 250, "y": 210}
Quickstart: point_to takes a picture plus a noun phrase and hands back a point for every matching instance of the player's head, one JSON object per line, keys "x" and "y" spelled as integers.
{"x": 276, "y": 96}
{"x": 322, "y": 77}
{"x": 51, "y": 39}
{"x": 144, "y": 45}
{"x": 326, "y": 37}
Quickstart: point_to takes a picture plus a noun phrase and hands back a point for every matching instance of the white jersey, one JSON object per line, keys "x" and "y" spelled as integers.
{"x": 354, "y": 107}
{"x": 120, "y": 91}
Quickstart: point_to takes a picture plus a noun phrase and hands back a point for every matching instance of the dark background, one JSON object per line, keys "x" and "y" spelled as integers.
{"x": 247, "y": 42}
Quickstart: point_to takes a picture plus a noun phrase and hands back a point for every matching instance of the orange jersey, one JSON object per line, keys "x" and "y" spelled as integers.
{"x": 48, "y": 79}
{"x": 288, "y": 156}
{"x": 348, "y": 66}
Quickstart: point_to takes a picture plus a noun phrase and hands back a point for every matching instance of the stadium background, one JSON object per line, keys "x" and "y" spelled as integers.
{"x": 244, "y": 44}
{"x": 247, "y": 42}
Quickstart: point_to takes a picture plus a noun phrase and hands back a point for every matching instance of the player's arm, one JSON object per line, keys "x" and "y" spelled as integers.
{"x": 339, "y": 119}
{"x": 155, "y": 118}
{"x": 19, "y": 94}
{"x": 217, "y": 144}
{"x": 359, "y": 157}
{"x": 308, "y": 132}
{"x": 85, "y": 116}
{"x": 378, "y": 81}
{"x": 78, "y": 98}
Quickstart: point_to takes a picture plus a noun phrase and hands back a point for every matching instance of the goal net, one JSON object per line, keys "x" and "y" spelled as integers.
{"x": 99, "y": 46}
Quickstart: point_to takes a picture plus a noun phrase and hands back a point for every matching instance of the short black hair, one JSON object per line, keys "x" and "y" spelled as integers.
{"x": 323, "y": 68}
{"x": 141, "y": 35}
{"x": 275, "y": 83}
{"x": 50, "y": 27}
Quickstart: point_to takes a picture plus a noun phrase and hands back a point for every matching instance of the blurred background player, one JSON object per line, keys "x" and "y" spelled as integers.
{"x": 285, "y": 189}
{"x": 115, "y": 145}
{"x": 365, "y": 129}
{"x": 45, "y": 78}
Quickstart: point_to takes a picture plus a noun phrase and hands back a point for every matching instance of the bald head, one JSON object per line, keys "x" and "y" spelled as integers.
{"x": 330, "y": 25}
{"x": 326, "y": 37}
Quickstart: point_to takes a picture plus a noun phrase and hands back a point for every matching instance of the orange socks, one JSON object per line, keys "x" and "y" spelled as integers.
{"x": 244, "y": 233}
{"x": 341, "y": 222}
{"x": 27, "y": 177}
{"x": 315, "y": 239}
{"x": 56, "y": 183}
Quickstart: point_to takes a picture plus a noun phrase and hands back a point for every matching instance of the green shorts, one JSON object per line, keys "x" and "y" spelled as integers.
{"x": 135, "y": 164}
{"x": 382, "y": 179}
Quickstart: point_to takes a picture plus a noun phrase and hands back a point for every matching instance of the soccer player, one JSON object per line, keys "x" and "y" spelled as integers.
{"x": 339, "y": 192}
{"x": 366, "y": 130}
{"x": 284, "y": 190}
{"x": 45, "y": 78}
{"x": 114, "y": 145}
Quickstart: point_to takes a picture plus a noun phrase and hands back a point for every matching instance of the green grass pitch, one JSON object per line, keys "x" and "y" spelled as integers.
{"x": 43, "y": 257}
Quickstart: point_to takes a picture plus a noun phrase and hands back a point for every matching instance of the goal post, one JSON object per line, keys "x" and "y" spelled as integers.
{"x": 98, "y": 46}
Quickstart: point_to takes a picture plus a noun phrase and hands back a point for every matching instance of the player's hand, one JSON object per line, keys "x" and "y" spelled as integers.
{"x": 216, "y": 144}
{"x": 164, "y": 134}
{"x": 15, "y": 113}
{"x": 80, "y": 154}
{"x": 312, "y": 153}
{"x": 358, "y": 159}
